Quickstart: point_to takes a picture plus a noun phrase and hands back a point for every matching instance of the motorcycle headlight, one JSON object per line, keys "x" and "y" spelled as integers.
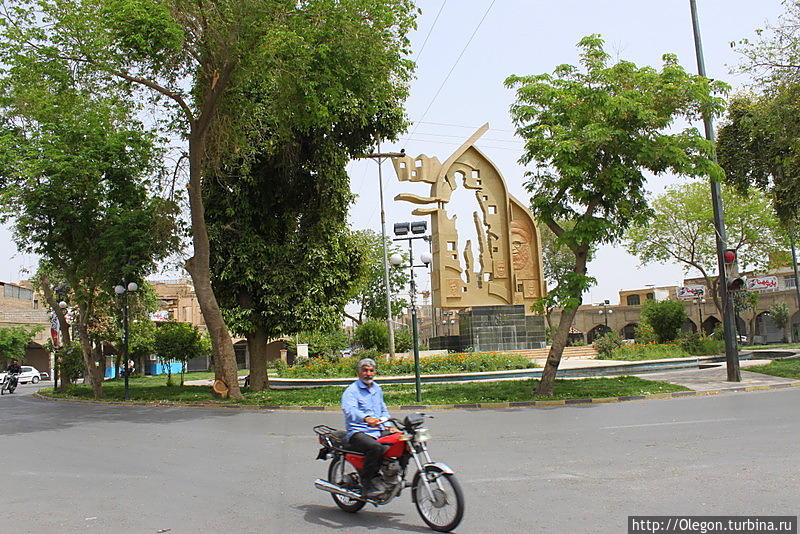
{"x": 421, "y": 435}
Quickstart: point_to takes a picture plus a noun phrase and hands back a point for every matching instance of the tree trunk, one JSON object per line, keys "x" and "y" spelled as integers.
{"x": 257, "y": 345}
{"x": 88, "y": 356}
{"x": 66, "y": 339}
{"x": 561, "y": 335}
{"x": 199, "y": 269}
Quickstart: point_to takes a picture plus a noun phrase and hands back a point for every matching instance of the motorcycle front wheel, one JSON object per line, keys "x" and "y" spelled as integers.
{"x": 347, "y": 479}
{"x": 443, "y": 506}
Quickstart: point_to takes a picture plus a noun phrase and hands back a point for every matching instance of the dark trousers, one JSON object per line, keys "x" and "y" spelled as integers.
{"x": 373, "y": 453}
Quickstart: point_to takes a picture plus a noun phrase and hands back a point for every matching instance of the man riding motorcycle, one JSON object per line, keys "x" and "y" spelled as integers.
{"x": 13, "y": 370}
{"x": 364, "y": 408}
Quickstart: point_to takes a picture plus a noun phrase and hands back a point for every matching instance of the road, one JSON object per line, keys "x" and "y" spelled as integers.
{"x": 95, "y": 468}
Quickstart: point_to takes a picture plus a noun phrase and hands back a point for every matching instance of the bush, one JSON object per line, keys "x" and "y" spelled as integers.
{"x": 322, "y": 344}
{"x": 448, "y": 363}
{"x": 403, "y": 341}
{"x": 697, "y": 344}
{"x": 373, "y": 335}
{"x": 666, "y": 317}
{"x": 606, "y": 344}
{"x": 649, "y": 351}
{"x": 70, "y": 362}
{"x": 644, "y": 333}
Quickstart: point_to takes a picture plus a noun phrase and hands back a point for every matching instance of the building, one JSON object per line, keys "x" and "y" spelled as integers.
{"x": 779, "y": 285}
{"x": 21, "y": 306}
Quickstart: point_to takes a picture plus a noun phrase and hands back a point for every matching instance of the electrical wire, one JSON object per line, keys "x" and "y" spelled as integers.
{"x": 430, "y": 30}
{"x": 446, "y": 78}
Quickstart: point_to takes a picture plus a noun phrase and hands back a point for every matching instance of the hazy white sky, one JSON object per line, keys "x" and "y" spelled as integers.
{"x": 524, "y": 37}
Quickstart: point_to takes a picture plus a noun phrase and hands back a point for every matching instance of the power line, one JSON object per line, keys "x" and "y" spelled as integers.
{"x": 462, "y": 126}
{"x": 430, "y": 30}
{"x": 480, "y": 22}
{"x": 515, "y": 141}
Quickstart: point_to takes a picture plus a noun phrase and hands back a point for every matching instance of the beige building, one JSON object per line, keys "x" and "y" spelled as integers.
{"x": 593, "y": 320}
{"x": 20, "y": 306}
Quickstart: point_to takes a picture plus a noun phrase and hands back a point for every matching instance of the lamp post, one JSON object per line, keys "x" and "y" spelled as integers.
{"x": 63, "y": 306}
{"x": 124, "y": 291}
{"x": 379, "y": 158}
{"x": 402, "y": 229}
{"x": 700, "y": 302}
{"x": 604, "y": 312}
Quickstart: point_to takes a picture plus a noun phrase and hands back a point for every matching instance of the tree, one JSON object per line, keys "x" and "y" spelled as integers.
{"x": 591, "y": 132}
{"x": 666, "y": 317}
{"x": 775, "y": 55}
{"x": 681, "y": 229}
{"x": 369, "y": 293}
{"x": 76, "y": 170}
{"x": 780, "y": 315}
{"x": 218, "y": 72}
{"x": 373, "y": 334}
{"x": 747, "y": 302}
{"x": 13, "y": 342}
{"x": 178, "y": 342}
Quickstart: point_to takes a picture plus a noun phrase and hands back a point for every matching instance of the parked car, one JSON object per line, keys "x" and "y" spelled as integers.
{"x": 29, "y": 374}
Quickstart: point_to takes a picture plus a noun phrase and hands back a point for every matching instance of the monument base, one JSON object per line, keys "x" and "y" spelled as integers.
{"x": 495, "y": 328}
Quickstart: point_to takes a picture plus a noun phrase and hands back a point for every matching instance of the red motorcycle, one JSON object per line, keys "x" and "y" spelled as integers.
{"x": 434, "y": 488}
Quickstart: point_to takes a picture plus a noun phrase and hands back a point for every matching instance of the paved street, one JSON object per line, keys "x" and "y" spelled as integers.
{"x": 92, "y": 468}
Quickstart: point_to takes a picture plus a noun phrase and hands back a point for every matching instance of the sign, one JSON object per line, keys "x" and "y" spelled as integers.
{"x": 160, "y": 316}
{"x": 691, "y": 292}
{"x": 763, "y": 283}
{"x": 55, "y": 329}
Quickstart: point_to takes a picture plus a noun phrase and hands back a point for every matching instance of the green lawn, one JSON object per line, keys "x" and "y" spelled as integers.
{"x": 776, "y": 346}
{"x": 789, "y": 368}
{"x": 147, "y": 389}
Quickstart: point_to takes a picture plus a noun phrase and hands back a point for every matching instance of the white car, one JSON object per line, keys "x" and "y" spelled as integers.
{"x": 28, "y": 374}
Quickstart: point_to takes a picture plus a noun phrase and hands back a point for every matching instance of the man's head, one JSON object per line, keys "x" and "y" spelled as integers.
{"x": 14, "y": 361}
{"x": 366, "y": 370}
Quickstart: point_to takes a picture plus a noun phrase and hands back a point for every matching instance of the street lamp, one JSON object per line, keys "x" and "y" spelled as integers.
{"x": 63, "y": 306}
{"x": 417, "y": 228}
{"x": 120, "y": 290}
{"x": 700, "y": 302}
{"x": 604, "y": 312}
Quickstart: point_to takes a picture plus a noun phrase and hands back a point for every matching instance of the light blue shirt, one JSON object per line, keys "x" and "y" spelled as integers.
{"x": 360, "y": 401}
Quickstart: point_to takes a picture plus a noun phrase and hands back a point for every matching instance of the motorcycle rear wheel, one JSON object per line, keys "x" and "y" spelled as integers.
{"x": 444, "y": 510}
{"x": 335, "y": 476}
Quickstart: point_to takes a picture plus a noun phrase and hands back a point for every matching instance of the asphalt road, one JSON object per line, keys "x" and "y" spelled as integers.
{"x": 88, "y": 468}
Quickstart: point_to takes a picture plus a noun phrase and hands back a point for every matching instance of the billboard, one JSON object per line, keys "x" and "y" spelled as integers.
{"x": 691, "y": 292}
{"x": 762, "y": 283}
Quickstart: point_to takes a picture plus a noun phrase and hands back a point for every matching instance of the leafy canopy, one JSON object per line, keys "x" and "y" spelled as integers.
{"x": 592, "y": 131}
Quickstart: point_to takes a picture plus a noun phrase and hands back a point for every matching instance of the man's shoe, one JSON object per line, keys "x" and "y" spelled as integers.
{"x": 373, "y": 488}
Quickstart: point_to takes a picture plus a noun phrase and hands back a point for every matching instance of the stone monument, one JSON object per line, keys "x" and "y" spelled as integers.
{"x": 495, "y": 285}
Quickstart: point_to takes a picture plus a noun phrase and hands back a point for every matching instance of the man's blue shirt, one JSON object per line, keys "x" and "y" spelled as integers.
{"x": 360, "y": 401}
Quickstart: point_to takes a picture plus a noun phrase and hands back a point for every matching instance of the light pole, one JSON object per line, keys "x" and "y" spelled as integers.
{"x": 728, "y": 317}
{"x": 124, "y": 291}
{"x": 604, "y": 312}
{"x": 379, "y": 158}
{"x": 401, "y": 229}
{"x": 700, "y": 302}
{"x": 63, "y": 306}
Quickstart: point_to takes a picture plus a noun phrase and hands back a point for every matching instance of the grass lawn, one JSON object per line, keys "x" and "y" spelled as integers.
{"x": 776, "y": 346}
{"x": 786, "y": 368}
{"x": 147, "y": 389}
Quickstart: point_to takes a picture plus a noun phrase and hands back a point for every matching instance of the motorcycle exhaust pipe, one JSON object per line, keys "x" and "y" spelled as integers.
{"x": 330, "y": 487}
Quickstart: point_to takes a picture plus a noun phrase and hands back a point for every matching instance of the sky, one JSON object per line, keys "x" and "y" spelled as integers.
{"x": 464, "y": 49}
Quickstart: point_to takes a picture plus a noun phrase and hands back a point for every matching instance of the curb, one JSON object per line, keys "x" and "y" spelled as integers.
{"x": 436, "y": 407}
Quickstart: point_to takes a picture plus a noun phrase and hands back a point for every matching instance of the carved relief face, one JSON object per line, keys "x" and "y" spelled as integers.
{"x": 520, "y": 255}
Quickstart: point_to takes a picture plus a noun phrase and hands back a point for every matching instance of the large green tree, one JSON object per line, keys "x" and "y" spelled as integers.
{"x": 225, "y": 76}
{"x": 681, "y": 229}
{"x": 76, "y": 170}
{"x": 592, "y": 131}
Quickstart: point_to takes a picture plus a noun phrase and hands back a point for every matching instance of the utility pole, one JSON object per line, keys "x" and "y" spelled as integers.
{"x": 729, "y": 320}
{"x": 379, "y": 158}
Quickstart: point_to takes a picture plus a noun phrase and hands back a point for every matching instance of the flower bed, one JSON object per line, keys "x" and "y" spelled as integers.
{"x": 471, "y": 362}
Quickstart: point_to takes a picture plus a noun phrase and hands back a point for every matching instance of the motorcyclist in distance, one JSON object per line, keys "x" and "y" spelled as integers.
{"x": 13, "y": 370}
{"x": 363, "y": 407}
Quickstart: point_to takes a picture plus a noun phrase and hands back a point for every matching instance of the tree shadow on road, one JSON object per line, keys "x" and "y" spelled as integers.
{"x": 27, "y": 414}
{"x": 333, "y": 518}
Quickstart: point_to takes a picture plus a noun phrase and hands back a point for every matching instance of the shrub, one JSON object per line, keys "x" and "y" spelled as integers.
{"x": 373, "y": 335}
{"x": 322, "y": 344}
{"x": 666, "y": 317}
{"x": 448, "y": 363}
{"x": 649, "y": 351}
{"x": 403, "y": 342}
{"x": 644, "y": 333}
{"x": 697, "y": 344}
{"x": 606, "y": 344}
{"x": 70, "y": 362}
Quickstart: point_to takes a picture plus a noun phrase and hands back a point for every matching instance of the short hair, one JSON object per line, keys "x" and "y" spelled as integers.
{"x": 363, "y": 362}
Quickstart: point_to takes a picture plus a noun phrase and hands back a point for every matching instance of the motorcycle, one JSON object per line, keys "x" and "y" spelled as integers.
{"x": 9, "y": 383}
{"x": 434, "y": 488}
